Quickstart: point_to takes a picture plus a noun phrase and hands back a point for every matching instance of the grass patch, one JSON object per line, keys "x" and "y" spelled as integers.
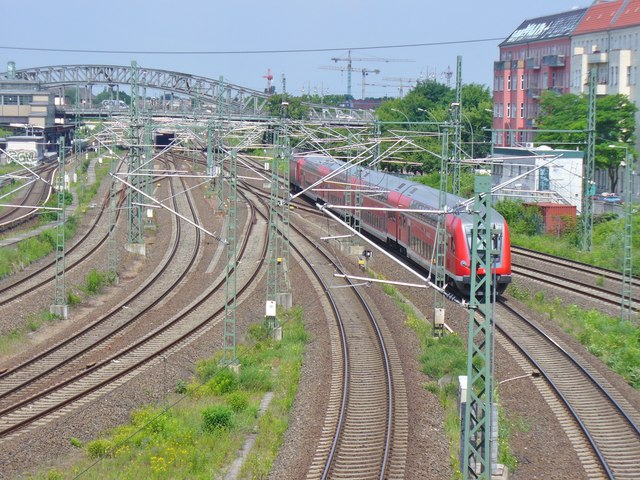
{"x": 443, "y": 360}
{"x": 615, "y": 342}
{"x": 95, "y": 282}
{"x": 19, "y": 256}
{"x": 200, "y": 434}
{"x": 11, "y": 341}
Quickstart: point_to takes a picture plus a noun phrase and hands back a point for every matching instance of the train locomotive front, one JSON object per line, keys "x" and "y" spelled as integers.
{"x": 409, "y": 233}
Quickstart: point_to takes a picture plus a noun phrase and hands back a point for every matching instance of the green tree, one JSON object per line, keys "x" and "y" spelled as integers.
{"x": 110, "y": 94}
{"x": 429, "y": 103}
{"x": 290, "y": 107}
{"x": 615, "y": 124}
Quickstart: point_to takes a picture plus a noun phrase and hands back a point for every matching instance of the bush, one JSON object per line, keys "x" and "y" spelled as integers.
{"x": 55, "y": 475}
{"x": 238, "y": 401}
{"x": 181, "y": 387}
{"x": 75, "y": 442}
{"x": 521, "y": 220}
{"x": 95, "y": 281}
{"x": 99, "y": 448}
{"x": 153, "y": 420}
{"x": 73, "y": 299}
{"x": 216, "y": 417}
{"x": 224, "y": 381}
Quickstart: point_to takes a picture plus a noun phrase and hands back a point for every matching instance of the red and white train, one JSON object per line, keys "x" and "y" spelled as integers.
{"x": 411, "y": 234}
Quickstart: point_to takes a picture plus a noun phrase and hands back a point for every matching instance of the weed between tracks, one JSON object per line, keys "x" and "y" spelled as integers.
{"x": 445, "y": 359}
{"x": 207, "y": 419}
{"x": 94, "y": 284}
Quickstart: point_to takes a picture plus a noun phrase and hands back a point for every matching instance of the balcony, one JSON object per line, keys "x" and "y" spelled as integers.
{"x": 598, "y": 57}
{"x": 553, "y": 60}
{"x": 499, "y": 66}
{"x": 557, "y": 89}
{"x": 532, "y": 64}
{"x": 533, "y": 92}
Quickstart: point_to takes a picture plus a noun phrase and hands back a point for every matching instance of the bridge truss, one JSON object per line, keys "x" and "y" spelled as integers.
{"x": 236, "y": 100}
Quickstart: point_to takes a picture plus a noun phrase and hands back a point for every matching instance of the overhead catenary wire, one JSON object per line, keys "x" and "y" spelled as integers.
{"x": 248, "y": 52}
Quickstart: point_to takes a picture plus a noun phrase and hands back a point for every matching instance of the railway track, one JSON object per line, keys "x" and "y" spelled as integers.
{"x": 573, "y": 265}
{"x": 86, "y": 245}
{"x": 366, "y": 425}
{"x": 26, "y": 377}
{"x": 600, "y": 284}
{"x": 36, "y": 192}
{"x": 112, "y": 370}
{"x": 603, "y": 427}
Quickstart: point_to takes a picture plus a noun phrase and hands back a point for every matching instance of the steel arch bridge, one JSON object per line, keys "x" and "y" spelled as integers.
{"x": 235, "y": 100}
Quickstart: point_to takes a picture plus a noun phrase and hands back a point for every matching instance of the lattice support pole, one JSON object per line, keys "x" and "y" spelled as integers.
{"x": 59, "y": 306}
{"x": 112, "y": 242}
{"x": 148, "y": 168}
{"x": 273, "y": 247}
{"x": 626, "y": 307}
{"x": 588, "y": 184}
{"x": 441, "y": 241}
{"x": 219, "y": 153}
{"x": 284, "y": 287}
{"x": 134, "y": 204}
{"x": 457, "y": 119}
{"x": 229, "y": 340}
{"x": 476, "y": 451}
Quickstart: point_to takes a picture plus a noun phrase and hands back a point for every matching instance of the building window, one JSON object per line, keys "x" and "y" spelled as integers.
{"x": 553, "y": 79}
{"x": 508, "y": 110}
{"x": 25, "y": 99}
{"x": 501, "y": 83}
{"x": 545, "y": 80}
{"x": 10, "y": 100}
{"x": 522, "y": 110}
{"x": 522, "y": 82}
{"x": 509, "y": 82}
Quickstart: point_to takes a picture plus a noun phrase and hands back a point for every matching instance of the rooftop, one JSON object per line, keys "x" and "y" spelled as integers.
{"x": 546, "y": 28}
{"x": 610, "y": 15}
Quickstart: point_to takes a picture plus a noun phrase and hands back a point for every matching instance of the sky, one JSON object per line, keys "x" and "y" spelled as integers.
{"x": 188, "y": 36}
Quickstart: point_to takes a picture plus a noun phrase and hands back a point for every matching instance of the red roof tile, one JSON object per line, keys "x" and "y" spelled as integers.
{"x": 610, "y": 15}
{"x": 629, "y": 16}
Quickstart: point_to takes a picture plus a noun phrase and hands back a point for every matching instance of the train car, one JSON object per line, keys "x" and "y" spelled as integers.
{"x": 411, "y": 234}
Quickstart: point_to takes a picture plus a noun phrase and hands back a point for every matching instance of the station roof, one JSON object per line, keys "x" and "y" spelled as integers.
{"x": 546, "y": 28}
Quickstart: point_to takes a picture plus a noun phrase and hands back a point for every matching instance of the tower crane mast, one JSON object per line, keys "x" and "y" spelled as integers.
{"x": 402, "y": 81}
{"x": 364, "y": 72}
{"x": 349, "y": 59}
